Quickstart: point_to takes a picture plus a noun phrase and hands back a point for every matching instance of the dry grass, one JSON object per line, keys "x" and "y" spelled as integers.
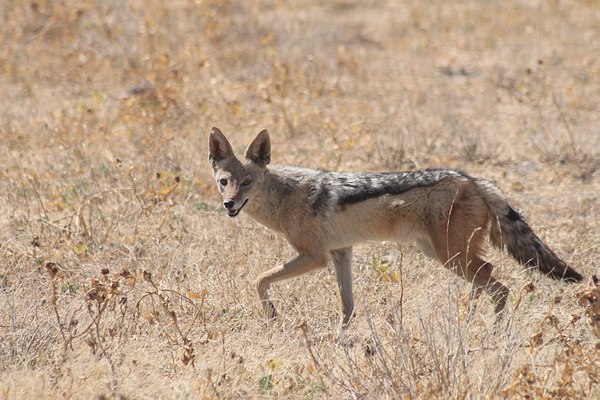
{"x": 121, "y": 277}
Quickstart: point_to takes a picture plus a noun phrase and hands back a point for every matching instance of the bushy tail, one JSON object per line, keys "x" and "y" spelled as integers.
{"x": 510, "y": 230}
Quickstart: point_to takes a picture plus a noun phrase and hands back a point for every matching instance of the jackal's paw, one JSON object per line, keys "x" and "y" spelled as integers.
{"x": 345, "y": 321}
{"x": 270, "y": 310}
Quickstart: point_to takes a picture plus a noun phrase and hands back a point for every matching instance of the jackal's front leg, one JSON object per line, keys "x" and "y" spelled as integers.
{"x": 301, "y": 264}
{"x": 342, "y": 260}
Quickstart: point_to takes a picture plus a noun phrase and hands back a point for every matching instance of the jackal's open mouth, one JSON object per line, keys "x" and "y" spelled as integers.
{"x": 233, "y": 213}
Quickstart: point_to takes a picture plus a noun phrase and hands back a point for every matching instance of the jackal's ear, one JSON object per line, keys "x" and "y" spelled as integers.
{"x": 259, "y": 151}
{"x": 218, "y": 146}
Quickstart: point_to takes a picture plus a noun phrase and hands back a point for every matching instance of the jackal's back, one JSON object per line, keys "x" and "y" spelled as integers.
{"x": 337, "y": 190}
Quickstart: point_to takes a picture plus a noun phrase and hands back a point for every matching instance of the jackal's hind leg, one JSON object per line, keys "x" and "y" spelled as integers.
{"x": 299, "y": 265}
{"x": 459, "y": 242}
{"x": 480, "y": 274}
{"x": 342, "y": 260}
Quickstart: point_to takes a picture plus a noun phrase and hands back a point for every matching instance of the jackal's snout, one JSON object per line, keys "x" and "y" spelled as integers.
{"x": 232, "y": 210}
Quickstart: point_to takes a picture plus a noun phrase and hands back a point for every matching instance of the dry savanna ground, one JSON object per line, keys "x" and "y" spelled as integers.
{"x": 122, "y": 277}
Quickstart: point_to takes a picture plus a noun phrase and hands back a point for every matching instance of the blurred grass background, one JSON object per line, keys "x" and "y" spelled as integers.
{"x": 104, "y": 115}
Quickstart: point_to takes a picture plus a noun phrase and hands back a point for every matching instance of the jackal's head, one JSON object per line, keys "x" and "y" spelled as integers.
{"x": 238, "y": 181}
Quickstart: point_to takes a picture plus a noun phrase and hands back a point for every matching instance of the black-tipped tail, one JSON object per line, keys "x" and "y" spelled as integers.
{"x": 510, "y": 230}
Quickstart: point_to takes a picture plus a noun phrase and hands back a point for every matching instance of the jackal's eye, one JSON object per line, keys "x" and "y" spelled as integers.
{"x": 246, "y": 182}
{"x": 223, "y": 181}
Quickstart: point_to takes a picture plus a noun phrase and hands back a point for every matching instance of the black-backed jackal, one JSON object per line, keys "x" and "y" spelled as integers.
{"x": 323, "y": 214}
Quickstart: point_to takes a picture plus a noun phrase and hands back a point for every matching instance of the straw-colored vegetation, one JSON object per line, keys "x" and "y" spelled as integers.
{"x": 122, "y": 277}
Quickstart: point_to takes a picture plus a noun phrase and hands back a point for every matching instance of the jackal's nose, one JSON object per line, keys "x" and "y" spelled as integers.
{"x": 229, "y": 204}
